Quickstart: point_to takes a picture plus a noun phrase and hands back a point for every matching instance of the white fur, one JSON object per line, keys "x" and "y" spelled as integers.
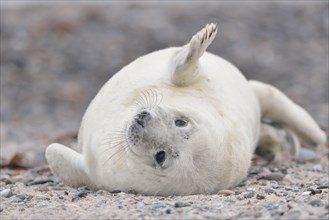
{"x": 225, "y": 114}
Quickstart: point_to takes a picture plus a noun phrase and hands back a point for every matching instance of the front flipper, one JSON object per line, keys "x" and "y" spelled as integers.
{"x": 68, "y": 165}
{"x": 277, "y": 107}
{"x": 185, "y": 60}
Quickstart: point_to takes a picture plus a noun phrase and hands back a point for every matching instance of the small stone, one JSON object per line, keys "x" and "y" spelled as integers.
{"x": 269, "y": 190}
{"x": 82, "y": 194}
{"x": 115, "y": 191}
{"x": 323, "y": 187}
{"x": 101, "y": 192}
{"x": 255, "y": 170}
{"x": 38, "y": 182}
{"x": 158, "y": 206}
{"x": 316, "y": 202}
{"x": 21, "y": 196}
{"x": 288, "y": 188}
{"x": 42, "y": 189}
{"x": 295, "y": 188}
{"x": 273, "y": 176}
{"x": 293, "y": 215}
{"x": 6, "y": 179}
{"x": 288, "y": 178}
{"x": 314, "y": 191}
{"x": 307, "y": 155}
{"x": 6, "y": 193}
{"x": 168, "y": 211}
{"x": 248, "y": 194}
{"x": 307, "y": 193}
{"x": 79, "y": 195}
{"x": 317, "y": 168}
{"x": 274, "y": 184}
{"x": 182, "y": 204}
{"x": 251, "y": 189}
{"x": 260, "y": 197}
{"x": 226, "y": 192}
{"x": 281, "y": 193}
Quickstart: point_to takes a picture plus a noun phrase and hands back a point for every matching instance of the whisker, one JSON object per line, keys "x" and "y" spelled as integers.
{"x": 112, "y": 155}
{"x": 154, "y": 98}
{"x": 119, "y": 158}
{"x": 144, "y": 97}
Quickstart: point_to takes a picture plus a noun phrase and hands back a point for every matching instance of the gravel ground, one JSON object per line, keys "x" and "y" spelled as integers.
{"x": 55, "y": 57}
{"x": 297, "y": 191}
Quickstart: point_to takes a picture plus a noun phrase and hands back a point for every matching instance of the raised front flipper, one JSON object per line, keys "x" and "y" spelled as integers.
{"x": 277, "y": 107}
{"x": 185, "y": 61}
{"x": 68, "y": 165}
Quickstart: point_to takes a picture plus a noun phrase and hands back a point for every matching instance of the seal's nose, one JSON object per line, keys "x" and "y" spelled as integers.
{"x": 142, "y": 117}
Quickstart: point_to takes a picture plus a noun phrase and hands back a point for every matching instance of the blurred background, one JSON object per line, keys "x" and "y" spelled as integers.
{"x": 56, "y": 56}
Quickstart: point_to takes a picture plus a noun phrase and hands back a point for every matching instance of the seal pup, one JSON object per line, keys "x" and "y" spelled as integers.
{"x": 177, "y": 121}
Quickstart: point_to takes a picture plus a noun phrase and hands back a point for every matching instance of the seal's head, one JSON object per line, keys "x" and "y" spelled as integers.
{"x": 155, "y": 134}
{"x": 174, "y": 142}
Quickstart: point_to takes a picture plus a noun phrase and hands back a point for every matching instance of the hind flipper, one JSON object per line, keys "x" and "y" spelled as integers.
{"x": 185, "y": 60}
{"x": 68, "y": 165}
{"x": 277, "y": 107}
{"x": 277, "y": 144}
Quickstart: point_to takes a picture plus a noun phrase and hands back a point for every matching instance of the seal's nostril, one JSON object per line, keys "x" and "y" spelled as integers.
{"x": 144, "y": 114}
{"x": 142, "y": 117}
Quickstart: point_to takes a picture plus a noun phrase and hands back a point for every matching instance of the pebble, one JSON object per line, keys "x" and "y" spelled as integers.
{"x": 79, "y": 195}
{"x": 316, "y": 202}
{"x": 42, "y": 197}
{"x": 226, "y": 192}
{"x": 323, "y": 187}
{"x": 317, "y": 168}
{"x": 158, "y": 206}
{"x": 248, "y": 194}
{"x": 288, "y": 188}
{"x": 6, "y": 193}
{"x": 273, "y": 176}
{"x": 57, "y": 188}
{"x": 260, "y": 197}
{"x": 281, "y": 193}
{"x": 295, "y": 188}
{"x": 168, "y": 211}
{"x": 22, "y": 196}
{"x": 274, "y": 184}
{"x": 287, "y": 178}
{"x": 255, "y": 170}
{"x": 6, "y": 179}
{"x": 307, "y": 193}
{"x": 293, "y": 215}
{"x": 314, "y": 191}
{"x": 42, "y": 189}
{"x": 306, "y": 155}
{"x": 182, "y": 204}
{"x": 37, "y": 182}
{"x": 269, "y": 190}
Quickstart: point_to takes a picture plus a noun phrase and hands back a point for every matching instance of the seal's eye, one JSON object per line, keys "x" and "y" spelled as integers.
{"x": 180, "y": 123}
{"x": 160, "y": 157}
